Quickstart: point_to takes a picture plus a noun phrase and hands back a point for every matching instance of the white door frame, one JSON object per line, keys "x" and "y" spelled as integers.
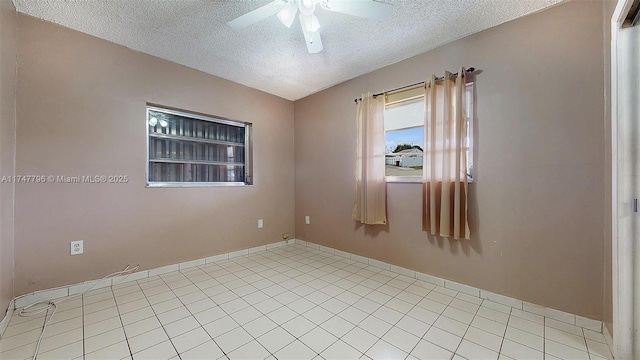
{"x": 621, "y": 276}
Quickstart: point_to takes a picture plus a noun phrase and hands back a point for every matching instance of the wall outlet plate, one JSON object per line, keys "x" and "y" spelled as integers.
{"x": 77, "y": 247}
{"x": 260, "y": 223}
{"x": 307, "y": 220}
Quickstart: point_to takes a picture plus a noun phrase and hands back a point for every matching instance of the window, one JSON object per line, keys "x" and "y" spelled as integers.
{"x": 186, "y": 149}
{"x": 404, "y": 118}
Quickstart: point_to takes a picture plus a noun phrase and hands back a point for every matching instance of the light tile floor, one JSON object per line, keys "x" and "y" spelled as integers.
{"x": 293, "y": 302}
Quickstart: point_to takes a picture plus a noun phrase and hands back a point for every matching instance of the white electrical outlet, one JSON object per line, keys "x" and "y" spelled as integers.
{"x": 77, "y": 247}
{"x": 307, "y": 220}
{"x": 260, "y": 223}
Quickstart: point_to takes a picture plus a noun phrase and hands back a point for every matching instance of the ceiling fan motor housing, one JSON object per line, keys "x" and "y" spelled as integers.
{"x": 286, "y": 11}
{"x": 307, "y": 7}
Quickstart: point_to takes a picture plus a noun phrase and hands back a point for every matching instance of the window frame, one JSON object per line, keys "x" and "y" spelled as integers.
{"x": 248, "y": 145}
{"x": 413, "y": 93}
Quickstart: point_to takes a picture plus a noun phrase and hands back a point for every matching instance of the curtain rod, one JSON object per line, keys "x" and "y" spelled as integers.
{"x": 469, "y": 70}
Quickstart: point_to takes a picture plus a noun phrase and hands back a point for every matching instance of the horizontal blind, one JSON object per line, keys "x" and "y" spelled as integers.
{"x": 185, "y": 149}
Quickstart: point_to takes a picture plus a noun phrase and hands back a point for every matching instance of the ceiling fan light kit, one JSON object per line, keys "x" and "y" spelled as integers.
{"x": 286, "y": 11}
{"x": 307, "y": 7}
{"x": 288, "y": 14}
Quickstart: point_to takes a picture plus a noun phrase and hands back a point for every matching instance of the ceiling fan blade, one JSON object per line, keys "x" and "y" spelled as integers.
{"x": 370, "y": 9}
{"x": 258, "y": 14}
{"x": 312, "y": 39}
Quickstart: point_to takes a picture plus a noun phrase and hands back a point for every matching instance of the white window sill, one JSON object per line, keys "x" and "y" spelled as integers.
{"x": 403, "y": 179}
{"x": 408, "y": 179}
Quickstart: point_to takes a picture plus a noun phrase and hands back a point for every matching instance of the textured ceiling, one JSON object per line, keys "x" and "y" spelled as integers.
{"x": 267, "y": 55}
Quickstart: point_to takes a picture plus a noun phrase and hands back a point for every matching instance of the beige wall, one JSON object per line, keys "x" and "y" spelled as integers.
{"x": 536, "y": 207}
{"x": 81, "y": 111}
{"x": 7, "y": 147}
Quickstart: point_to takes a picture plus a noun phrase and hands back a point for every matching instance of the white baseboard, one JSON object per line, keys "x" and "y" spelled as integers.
{"x": 50, "y": 294}
{"x": 55, "y": 293}
{"x": 609, "y": 339}
{"x": 7, "y": 317}
{"x": 595, "y": 325}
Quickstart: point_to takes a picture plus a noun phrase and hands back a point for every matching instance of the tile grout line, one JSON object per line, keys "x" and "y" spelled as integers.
{"x": 341, "y": 269}
{"x": 44, "y": 337}
{"x": 370, "y": 314}
{"x": 393, "y": 297}
{"x": 511, "y": 307}
{"x": 126, "y": 338}
{"x": 302, "y": 315}
{"x": 506, "y": 327}
{"x": 283, "y": 305}
{"x": 530, "y": 333}
{"x": 219, "y": 306}
{"x": 266, "y": 314}
{"x": 315, "y": 305}
{"x": 584, "y": 336}
{"x": 586, "y": 344}
{"x": 467, "y": 330}
{"x": 135, "y": 322}
{"x": 82, "y": 317}
{"x": 163, "y": 325}
{"x": 44, "y": 321}
{"x": 154, "y": 314}
{"x": 279, "y": 245}
{"x": 46, "y": 314}
{"x": 503, "y": 337}
{"x": 335, "y": 297}
{"x": 442, "y": 315}
{"x": 407, "y": 314}
{"x": 361, "y": 297}
{"x": 444, "y": 281}
{"x": 393, "y": 325}
{"x": 544, "y": 337}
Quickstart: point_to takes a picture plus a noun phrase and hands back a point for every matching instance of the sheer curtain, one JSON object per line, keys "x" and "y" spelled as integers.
{"x": 445, "y": 180}
{"x": 370, "y": 204}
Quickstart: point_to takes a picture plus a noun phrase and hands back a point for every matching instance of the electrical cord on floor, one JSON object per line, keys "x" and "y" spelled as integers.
{"x": 33, "y": 310}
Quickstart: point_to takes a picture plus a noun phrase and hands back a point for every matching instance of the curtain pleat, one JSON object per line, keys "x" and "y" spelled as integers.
{"x": 435, "y": 197}
{"x": 370, "y": 206}
{"x": 445, "y": 184}
{"x": 431, "y": 127}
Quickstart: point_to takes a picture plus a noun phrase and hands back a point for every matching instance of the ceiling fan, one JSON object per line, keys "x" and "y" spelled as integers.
{"x": 286, "y": 11}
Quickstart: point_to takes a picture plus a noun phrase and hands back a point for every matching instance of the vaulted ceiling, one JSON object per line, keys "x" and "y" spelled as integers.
{"x": 267, "y": 55}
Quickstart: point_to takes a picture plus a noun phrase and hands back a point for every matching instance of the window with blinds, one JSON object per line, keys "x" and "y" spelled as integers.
{"x": 186, "y": 149}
